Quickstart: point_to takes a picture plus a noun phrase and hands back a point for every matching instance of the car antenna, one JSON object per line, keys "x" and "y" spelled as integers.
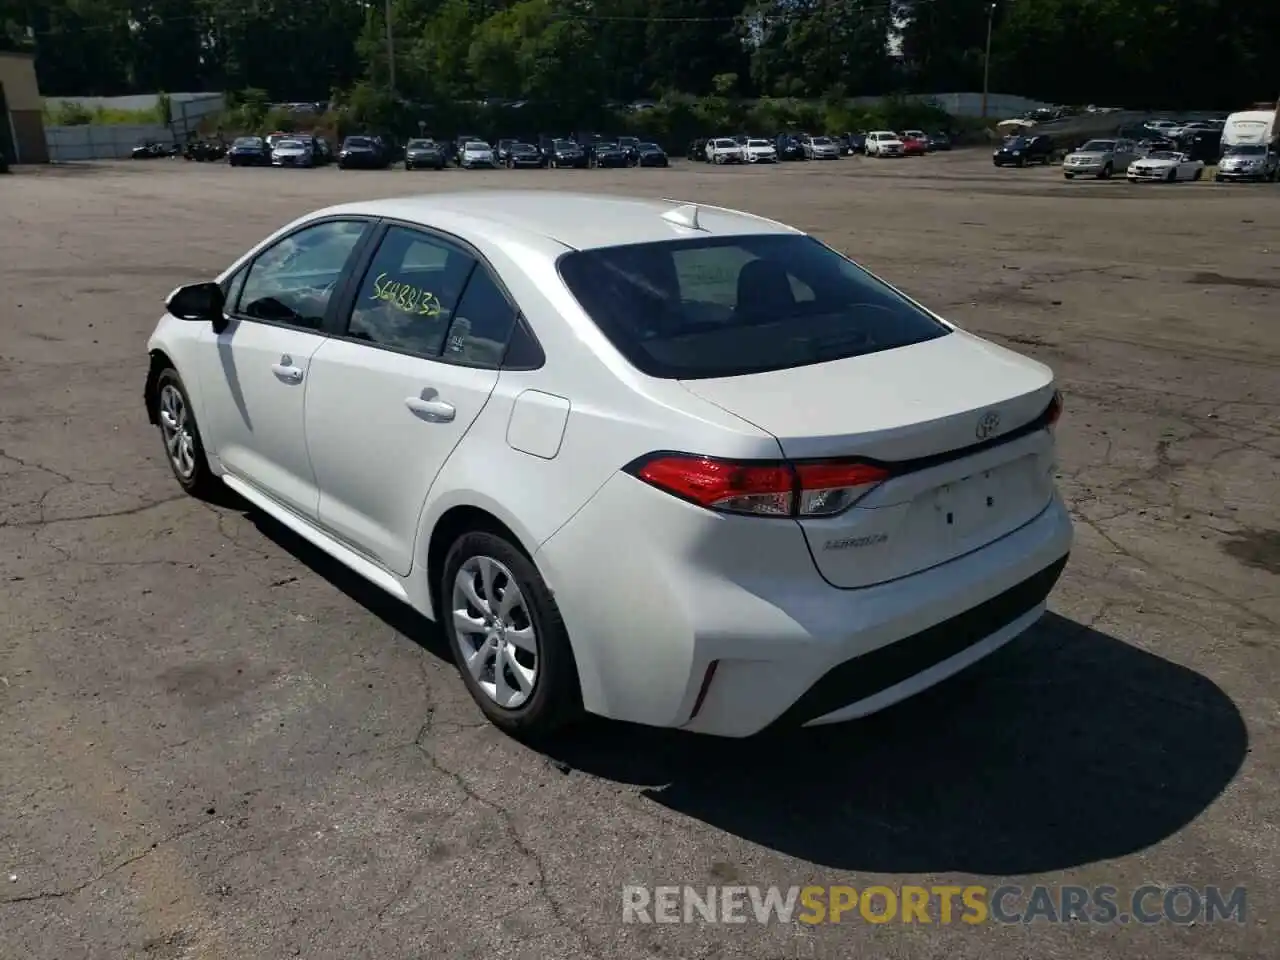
{"x": 685, "y": 215}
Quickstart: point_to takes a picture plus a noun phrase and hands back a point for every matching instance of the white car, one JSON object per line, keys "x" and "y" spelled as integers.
{"x": 724, "y": 150}
{"x": 671, "y": 463}
{"x": 884, "y": 143}
{"x": 476, "y": 153}
{"x": 1167, "y": 165}
{"x": 761, "y": 151}
{"x": 292, "y": 153}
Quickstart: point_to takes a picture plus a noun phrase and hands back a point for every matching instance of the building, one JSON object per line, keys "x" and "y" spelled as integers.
{"x": 21, "y": 110}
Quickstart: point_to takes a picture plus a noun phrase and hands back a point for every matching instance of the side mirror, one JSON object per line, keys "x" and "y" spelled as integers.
{"x": 201, "y": 302}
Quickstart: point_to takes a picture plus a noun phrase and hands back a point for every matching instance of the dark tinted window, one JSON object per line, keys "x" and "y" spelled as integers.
{"x": 481, "y": 323}
{"x": 359, "y": 142}
{"x": 734, "y": 305}
{"x": 293, "y": 280}
{"x": 407, "y": 297}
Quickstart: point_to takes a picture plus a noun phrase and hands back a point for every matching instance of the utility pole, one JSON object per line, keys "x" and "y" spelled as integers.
{"x": 391, "y": 53}
{"x": 986, "y": 60}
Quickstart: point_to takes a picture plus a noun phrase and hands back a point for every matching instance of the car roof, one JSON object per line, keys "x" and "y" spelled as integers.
{"x": 580, "y": 221}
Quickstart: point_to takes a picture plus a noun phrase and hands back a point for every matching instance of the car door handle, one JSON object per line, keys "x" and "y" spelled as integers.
{"x": 287, "y": 372}
{"x": 436, "y": 411}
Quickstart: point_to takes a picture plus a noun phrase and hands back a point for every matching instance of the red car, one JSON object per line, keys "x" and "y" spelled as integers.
{"x": 915, "y": 143}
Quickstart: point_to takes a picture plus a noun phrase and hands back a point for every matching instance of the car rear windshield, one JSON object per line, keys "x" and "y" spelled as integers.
{"x": 359, "y": 142}
{"x": 728, "y": 306}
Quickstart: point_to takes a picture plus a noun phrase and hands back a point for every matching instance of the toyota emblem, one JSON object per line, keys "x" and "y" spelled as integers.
{"x": 988, "y": 425}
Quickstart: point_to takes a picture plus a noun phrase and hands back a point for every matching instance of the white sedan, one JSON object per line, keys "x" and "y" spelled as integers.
{"x": 669, "y": 463}
{"x": 1165, "y": 165}
{"x": 476, "y": 153}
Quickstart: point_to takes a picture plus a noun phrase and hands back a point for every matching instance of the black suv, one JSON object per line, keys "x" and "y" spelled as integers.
{"x": 1021, "y": 150}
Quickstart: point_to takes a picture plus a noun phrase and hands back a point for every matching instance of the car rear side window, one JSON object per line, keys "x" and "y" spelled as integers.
{"x": 407, "y": 297}
{"x": 727, "y": 306}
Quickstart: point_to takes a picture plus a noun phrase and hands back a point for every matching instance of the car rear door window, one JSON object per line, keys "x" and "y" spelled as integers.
{"x": 716, "y": 307}
{"x": 293, "y": 280}
{"x": 407, "y": 297}
{"x": 482, "y": 323}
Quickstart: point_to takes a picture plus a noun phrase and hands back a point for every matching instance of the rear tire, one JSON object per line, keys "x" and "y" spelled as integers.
{"x": 1172, "y": 177}
{"x": 484, "y": 566}
{"x": 1106, "y": 172}
{"x": 1199, "y": 174}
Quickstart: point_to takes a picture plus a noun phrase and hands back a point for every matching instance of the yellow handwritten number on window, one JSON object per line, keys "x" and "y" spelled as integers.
{"x": 406, "y": 297}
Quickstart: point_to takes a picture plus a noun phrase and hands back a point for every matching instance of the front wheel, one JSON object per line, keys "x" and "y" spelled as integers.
{"x": 1172, "y": 177}
{"x": 183, "y": 446}
{"x": 507, "y": 636}
{"x": 1106, "y": 172}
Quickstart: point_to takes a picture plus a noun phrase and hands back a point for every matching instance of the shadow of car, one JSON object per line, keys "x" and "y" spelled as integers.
{"x": 1066, "y": 747}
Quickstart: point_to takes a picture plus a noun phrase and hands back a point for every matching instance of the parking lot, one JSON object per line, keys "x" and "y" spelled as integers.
{"x": 214, "y": 743}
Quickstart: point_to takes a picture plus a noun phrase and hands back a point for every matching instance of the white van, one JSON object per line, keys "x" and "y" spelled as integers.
{"x": 1249, "y": 126}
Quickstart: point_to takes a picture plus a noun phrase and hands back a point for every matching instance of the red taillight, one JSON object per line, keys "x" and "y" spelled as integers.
{"x": 1055, "y": 409}
{"x": 762, "y": 489}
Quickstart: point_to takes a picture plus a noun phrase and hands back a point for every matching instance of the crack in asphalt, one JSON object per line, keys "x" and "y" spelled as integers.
{"x": 123, "y": 864}
{"x": 542, "y": 884}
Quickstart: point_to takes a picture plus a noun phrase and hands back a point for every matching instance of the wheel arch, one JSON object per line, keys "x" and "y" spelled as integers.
{"x": 159, "y": 362}
{"x": 452, "y": 523}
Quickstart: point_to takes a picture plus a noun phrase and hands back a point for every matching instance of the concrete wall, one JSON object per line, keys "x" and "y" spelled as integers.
{"x": 115, "y": 141}
{"x": 101, "y": 141}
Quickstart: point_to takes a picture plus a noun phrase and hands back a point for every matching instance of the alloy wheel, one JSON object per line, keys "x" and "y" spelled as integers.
{"x": 176, "y": 428}
{"x": 495, "y": 631}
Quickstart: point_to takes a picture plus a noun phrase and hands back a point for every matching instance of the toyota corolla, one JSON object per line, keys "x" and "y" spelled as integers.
{"x": 659, "y": 461}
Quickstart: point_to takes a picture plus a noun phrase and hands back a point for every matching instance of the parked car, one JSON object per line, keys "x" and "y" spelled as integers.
{"x": 1166, "y": 165}
{"x": 292, "y": 153}
{"x": 697, "y": 150}
{"x": 1023, "y": 149}
{"x": 819, "y": 506}
{"x": 568, "y": 153}
{"x": 884, "y": 143}
{"x": 915, "y": 143}
{"x": 609, "y": 155}
{"x": 275, "y": 137}
{"x": 1203, "y": 145}
{"x": 502, "y": 148}
{"x": 759, "y": 150}
{"x": 939, "y": 141}
{"x": 1099, "y": 159}
{"x": 852, "y": 144}
{"x": 321, "y": 151}
{"x": 460, "y": 141}
{"x": 820, "y": 148}
{"x": 651, "y": 155}
{"x": 724, "y": 150}
{"x": 631, "y": 147}
{"x": 153, "y": 150}
{"x": 1248, "y": 161}
{"x": 205, "y": 151}
{"x": 249, "y": 152}
{"x": 476, "y": 155}
{"x": 423, "y": 153}
{"x": 362, "y": 153}
{"x": 521, "y": 156}
{"x": 789, "y": 147}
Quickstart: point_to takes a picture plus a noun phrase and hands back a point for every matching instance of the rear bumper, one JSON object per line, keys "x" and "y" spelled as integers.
{"x": 693, "y": 588}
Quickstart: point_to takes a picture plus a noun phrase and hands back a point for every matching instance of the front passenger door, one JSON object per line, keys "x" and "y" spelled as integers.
{"x": 253, "y": 374}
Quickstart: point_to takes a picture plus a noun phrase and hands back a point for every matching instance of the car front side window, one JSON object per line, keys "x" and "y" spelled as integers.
{"x": 407, "y": 298}
{"x": 292, "y": 281}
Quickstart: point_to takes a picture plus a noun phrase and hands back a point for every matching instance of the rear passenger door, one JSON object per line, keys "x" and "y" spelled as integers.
{"x": 397, "y": 387}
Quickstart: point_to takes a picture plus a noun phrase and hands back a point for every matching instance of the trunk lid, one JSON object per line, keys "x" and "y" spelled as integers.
{"x": 939, "y": 411}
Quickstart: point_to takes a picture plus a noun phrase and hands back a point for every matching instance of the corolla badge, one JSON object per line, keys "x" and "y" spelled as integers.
{"x": 988, "y": 424}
